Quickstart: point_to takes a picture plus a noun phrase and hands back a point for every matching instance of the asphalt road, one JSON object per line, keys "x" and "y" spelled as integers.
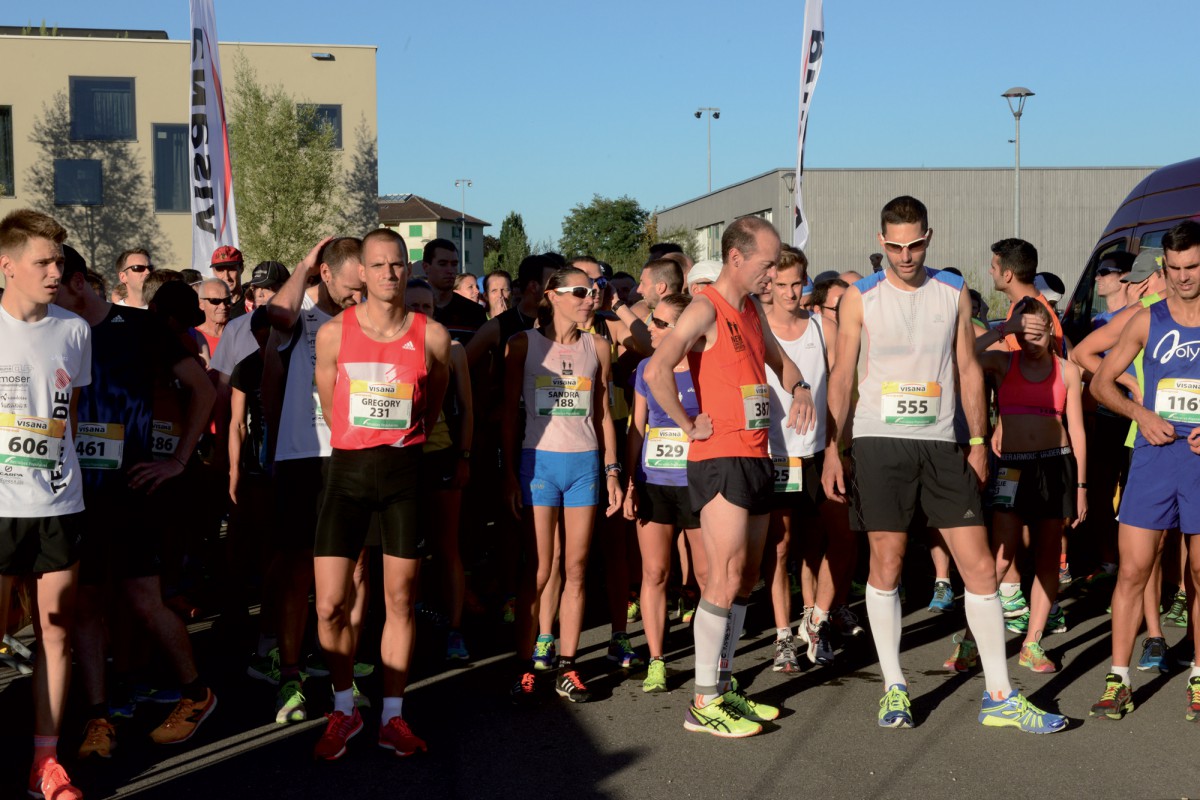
{"x": 625, "y": 744}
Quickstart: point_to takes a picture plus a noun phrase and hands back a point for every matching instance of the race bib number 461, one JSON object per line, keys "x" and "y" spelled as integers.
{"x": 32, "y": 442}
{"x": 386, "y": 406}
{"x": 1178, "y": 400}
{"x": 100, "y": 445}
{"x": 911, "y": 402}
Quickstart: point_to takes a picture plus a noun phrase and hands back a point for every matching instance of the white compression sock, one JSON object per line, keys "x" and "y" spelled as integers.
{"x": 883, "y": 610}
{"x": 985, "y": 616}
{"x": 708, "y": 628}
{"x": 733, "y": 632}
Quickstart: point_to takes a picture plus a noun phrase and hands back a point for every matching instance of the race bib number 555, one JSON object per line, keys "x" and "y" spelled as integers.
{"x": 911, "y": 402}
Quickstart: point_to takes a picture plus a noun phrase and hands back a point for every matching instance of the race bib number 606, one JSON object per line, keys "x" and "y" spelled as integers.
{"x": 31, "y": 442}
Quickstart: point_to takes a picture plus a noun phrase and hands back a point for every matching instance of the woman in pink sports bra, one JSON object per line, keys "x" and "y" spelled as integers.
{"x": 1041, "y": 480}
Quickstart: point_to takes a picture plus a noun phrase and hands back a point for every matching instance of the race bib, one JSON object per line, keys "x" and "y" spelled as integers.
{"x": 1005, "y": 495}
{"x": 789, "y": 473}
{"x": 100, "y": 445}
{"x": 666, "y": 448}
{"x": 911, "y": 402}
{"x": 756, "y": 401}
{"x": 1178, "y": 400}
{"x": 32, "y": 442}
{"x": 386, "y": 406}
{"x": 165, "y": 440}
{"x": 562, "y": 396}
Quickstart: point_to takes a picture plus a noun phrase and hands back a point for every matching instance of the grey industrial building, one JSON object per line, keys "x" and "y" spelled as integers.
{"x": 1063, "y": 212}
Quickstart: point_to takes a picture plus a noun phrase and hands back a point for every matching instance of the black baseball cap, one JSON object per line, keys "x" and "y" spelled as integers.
{"x": 269, "y": 275}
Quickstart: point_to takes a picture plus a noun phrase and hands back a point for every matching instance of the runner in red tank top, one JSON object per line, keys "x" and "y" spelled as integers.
{"x": 730, "y": 477}
{"x": 381, "y": 375}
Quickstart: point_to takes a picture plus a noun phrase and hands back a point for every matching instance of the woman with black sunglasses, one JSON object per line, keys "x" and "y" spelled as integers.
{"x": 561, "y": 375}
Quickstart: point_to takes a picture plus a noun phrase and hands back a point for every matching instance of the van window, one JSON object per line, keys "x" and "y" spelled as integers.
{"x": 1086, "y": 304}
{"x": 1152, "y": 239}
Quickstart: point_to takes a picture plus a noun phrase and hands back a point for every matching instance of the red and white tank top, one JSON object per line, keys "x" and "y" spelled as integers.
{"x": 379, "y": 395}
{"x": 731, "y": 384}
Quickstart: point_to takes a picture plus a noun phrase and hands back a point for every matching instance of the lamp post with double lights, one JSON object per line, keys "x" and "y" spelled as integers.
{"x": 1017, "y": 94}
{"x": 713, "y": 113}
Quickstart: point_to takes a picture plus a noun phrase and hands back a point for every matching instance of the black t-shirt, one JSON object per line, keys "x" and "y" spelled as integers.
{"x": 247, "y": 378}
{"x": 461, "y": 317}
{"x": 131, "y": 348}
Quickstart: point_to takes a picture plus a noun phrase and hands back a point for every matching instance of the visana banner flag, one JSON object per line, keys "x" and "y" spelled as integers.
{"x": 810, "y": 70}
{"x": 214, "y": 217}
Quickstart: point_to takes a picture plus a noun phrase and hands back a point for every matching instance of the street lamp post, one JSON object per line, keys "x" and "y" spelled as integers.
{"x": 1017, "y": 93}
{"x": 713, "y": 113}
{"x": 462, "y": 235}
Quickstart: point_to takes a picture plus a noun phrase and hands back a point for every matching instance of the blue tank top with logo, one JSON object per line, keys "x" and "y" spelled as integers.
{"x": 1171, "y": 364}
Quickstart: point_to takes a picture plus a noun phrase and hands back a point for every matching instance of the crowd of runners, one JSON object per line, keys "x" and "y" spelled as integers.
{"x": 707, "y": 425}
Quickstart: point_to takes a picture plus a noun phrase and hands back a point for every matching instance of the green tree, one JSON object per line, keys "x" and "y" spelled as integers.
{"x": 125, "y": 216}
{"x": 286, "y": 175}
{"x": 682, "y": 237}
{"x": 358, "y": 211}
{"x": 514, "y": 243}
{"x": 610, "y": 230}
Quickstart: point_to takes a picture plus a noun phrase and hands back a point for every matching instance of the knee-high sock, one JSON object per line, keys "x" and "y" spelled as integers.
{"x": 709, "y": 630}
{"x": 733, "y": 632}
{"x": 883, "y": 610}
{"x": 986, "y": 618}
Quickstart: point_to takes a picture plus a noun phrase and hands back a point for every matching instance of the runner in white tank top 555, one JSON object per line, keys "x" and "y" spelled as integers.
{"x": 906, "y": 332}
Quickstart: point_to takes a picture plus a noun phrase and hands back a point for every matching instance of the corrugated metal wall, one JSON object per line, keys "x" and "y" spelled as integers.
{"x": 1063, "y": 211}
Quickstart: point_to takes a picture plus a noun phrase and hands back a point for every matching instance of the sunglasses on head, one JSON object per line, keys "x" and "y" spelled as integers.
{"x": 218, "y": 301}
{"x": 579, "y": 292}
{"x": 660, "y": 324}
{"x": 915, "y": 246}
{"x": 139, "y": 268}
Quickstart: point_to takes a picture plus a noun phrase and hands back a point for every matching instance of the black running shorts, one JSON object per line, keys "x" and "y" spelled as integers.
{"x": 891, "y": 476}
{"x": 362, "y": 486}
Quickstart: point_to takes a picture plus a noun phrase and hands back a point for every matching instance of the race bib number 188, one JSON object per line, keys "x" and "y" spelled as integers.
{"x": 562, "y": 395}
{"x": 31, "y": 442}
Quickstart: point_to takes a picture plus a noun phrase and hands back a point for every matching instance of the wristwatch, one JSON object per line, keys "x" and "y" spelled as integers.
{"x": 801, "y": 384}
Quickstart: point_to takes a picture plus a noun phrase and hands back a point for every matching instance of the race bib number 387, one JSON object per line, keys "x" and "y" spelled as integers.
{"x": 32, "y": 442}
{"x": 911, "y": 402}
{"x": 756, "y": 401}
{"x": 1178, "y": 400}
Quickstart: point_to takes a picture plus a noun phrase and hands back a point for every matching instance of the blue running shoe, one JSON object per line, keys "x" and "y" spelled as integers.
{"x": 943, "y": 597}
{"x": 145, "y": 693}
{"x": 894, "y": 708}
{"x": 1154, "y": 654}
{"x": 543, "y": 653}
{"x": 1016, "y": 712}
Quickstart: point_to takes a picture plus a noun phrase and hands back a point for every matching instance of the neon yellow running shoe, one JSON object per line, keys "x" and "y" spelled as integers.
{"x": 656, "y": 676}
{"x": 720, "y": 720}
{"x": 1015, "y": 711}
{"x": 736, "y": 699}
{"x": 965, "y": 656}
{"x": 894, "y": 708}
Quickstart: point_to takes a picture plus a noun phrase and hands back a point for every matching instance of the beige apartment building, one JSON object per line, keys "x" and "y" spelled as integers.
{"x": 420, "y": 221}
{"x": 134, "y": 87}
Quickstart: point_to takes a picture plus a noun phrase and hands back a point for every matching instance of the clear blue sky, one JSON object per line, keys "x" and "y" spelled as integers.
{"x": 542, "y": 104}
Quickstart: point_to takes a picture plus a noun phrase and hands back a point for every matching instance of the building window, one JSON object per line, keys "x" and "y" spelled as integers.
{"x": 102, "y": 109}
{"x": 325, "y": 116}
{"x": 455, "y": 232}
{"x": 414, "y": 230}
{"x": 711, "y": 236}
{"x": 467, "y": 253}
{"x": 468, "y": 233}
{"x": 77, "y": 182}
{"x": 415, "y": 254}
{"x": 172, "y": 188}
{"x": 7, "y": 179}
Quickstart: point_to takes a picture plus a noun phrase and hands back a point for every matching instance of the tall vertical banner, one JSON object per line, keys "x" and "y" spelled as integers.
{"x": 810, "y": 70}
{"x": 214, "y": 217}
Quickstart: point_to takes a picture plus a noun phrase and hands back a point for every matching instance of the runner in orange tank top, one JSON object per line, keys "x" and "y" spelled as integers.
{"x": 381, "y": 374}
{"x": 730, "y": 477}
